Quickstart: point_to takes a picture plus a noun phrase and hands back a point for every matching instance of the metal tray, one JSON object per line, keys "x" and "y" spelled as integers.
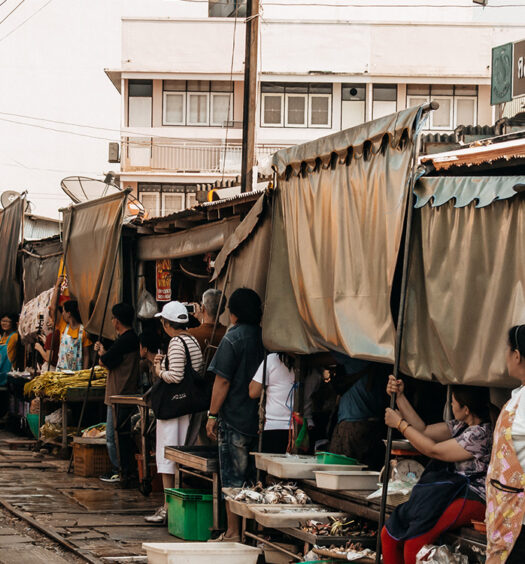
{"x": 203, "y": 458}
{"x": 289, "y": 516}
{"x": 327, "y": 540}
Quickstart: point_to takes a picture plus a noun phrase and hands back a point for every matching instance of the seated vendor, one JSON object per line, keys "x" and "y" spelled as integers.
{"x": 8, "y": 345}
{"x": 149, "y": 346}
{"x": 451, "y": 491}
{"x": 360, "y": 430}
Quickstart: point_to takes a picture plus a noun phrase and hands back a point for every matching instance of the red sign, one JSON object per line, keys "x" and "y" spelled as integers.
{"x": 163, "y": 268}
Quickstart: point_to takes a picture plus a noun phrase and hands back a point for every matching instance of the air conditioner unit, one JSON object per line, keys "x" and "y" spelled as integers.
{"x": 114, "y": 152}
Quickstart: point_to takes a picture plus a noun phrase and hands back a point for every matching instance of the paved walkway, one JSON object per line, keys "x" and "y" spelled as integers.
{"x": 103, "y": 521}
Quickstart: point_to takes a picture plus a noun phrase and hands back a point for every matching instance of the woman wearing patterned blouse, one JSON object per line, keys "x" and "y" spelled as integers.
{"x": 451, "y": 491}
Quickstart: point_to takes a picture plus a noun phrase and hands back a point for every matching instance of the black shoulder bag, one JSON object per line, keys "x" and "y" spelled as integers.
{"x": 191, "y": 395}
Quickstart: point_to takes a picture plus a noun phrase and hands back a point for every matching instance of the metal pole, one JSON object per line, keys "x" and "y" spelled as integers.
{"x": 95, "y": 356}
{"x": 400, "y": 328}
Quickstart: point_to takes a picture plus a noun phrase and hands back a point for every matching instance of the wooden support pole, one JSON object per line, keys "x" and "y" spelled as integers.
{"x": 250, "y": 95}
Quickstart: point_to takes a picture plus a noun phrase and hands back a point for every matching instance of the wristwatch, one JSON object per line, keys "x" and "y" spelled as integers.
{"x": 212, "y": 415}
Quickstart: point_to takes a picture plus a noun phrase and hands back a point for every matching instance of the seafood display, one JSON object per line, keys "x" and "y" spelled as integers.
{"x": 353, "y": 551}
{"x": 339, "y": 527}
{"x": 288, "y": 494}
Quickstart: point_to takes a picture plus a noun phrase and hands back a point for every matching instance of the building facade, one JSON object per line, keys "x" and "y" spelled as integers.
{"x": 322, "y": 68}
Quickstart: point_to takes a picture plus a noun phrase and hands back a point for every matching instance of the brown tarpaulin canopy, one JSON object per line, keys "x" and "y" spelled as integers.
{"x": 10, "y": 225}
{"x": 245, "y": 255}
{"x": 93, "y": 230}
{"x": 466, "y": 279}
{"x": 189, "y": 242}
{"x": 336, "y": 234}
{"x": 41, "y": 261}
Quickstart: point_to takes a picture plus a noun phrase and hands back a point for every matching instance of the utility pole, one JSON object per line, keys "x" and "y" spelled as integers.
{"x": 250, "y": 95}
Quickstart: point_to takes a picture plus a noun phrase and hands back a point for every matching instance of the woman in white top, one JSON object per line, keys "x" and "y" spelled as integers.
{"x": 505, "y": 476}
{"x": 279, "y": 400}
{"x": 172, "y": 432}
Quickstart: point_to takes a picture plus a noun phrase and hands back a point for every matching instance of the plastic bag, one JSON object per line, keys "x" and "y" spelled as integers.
{"x": 431, "y": 554}
{"x": 146, "y": 306}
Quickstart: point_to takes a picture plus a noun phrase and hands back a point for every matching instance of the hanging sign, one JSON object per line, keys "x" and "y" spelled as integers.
{"x": 163, "y": 276}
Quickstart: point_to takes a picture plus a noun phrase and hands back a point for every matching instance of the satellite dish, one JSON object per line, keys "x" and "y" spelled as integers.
{"x": 8, "y": 197}
{"x": 83, "y": 189}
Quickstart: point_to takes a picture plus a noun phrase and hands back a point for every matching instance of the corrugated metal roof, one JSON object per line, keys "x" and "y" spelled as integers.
{"x": 200, "y": 209}
{"x": 487, "y": 152}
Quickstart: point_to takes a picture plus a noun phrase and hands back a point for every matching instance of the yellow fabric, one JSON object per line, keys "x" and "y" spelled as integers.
{"x": 465, "y": 290}
{"x": 11, "y": 346}
{"x": 73, "y": 333}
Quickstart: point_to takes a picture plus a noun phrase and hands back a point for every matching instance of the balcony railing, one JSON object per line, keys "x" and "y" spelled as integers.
{"x": 166, "y": 155}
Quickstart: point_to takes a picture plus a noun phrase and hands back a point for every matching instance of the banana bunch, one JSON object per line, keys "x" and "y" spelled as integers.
{"x": 54, "y": 385}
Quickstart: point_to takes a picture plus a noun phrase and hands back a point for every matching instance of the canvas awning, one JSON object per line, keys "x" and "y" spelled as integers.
{"x": 189, "y": 242}
{"x": 466, "y": 279}
{"x": 92, "y": 239}
{"x": 10, "y": 225}
{"x": 336, "y": 233}
{"x": 243, "y": 261}
{"x": 40, "y": 260}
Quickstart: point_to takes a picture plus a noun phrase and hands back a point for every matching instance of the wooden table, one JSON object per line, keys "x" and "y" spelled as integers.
{"x": 199, "y": 461}
{"x": 73, "y": 395}
{"x": 141, "y": 403}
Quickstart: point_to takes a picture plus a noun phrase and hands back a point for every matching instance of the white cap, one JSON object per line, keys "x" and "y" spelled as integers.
{"x": 174, "y": 311}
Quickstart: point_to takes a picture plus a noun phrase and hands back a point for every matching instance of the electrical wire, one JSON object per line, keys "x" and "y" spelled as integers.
{"x": 392, "y": 5}
{"x": 12, "y": 11}
{"x": 24, "y": 21}
{"x": 229, "y": 115}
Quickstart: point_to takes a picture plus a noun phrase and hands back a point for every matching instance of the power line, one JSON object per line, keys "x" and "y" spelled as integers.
{"x": 24, "y": 21}
{"x": 392, "y": 5}
{"x": 13, "y": 10}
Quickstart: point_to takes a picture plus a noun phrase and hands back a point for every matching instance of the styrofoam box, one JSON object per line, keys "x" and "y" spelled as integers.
{"x": 200, "y": 553}
{"x": 302, "y": 470}
{"x": 262, "y": 459}
{"x": 347, "y": 480}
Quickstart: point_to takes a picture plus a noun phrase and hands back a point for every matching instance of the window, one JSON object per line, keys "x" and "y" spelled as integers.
{"x": 198, "y": 108}
{"x": 353, "y": 105}
{"x": 384, "y": 100}
{"x": 296, "y": 110}
{"x": 172, "y": 202}
{"x": 197, "y": 102}
{"x": 165, "y": 199}
{"x": 272, "y": 109}
{"x": 296, "y": 104}
{"x": 457, "y": 104}
{"x": 226, "y": 8}
{"x": 151, "y": 203}
{"x": 140, "y": 94}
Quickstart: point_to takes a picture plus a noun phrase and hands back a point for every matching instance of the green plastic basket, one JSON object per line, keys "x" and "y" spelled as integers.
{"x": 190, "y": 514}
{"x": 330, "y": 458}
{"x": 33, "y": 419}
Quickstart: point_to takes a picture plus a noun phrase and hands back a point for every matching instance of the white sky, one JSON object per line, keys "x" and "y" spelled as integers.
{"x": 52, "y": 67}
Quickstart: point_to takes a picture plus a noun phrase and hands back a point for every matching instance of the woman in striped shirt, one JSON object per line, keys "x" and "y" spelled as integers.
{"x": 172, "y": 432}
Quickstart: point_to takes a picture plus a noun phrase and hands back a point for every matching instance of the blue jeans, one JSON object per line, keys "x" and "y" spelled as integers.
{"x": 110, "y": 440}
{"x": 237, "y": 466}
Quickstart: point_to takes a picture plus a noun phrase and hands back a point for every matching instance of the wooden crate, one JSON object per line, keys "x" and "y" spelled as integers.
{"x": 90, "y": 459}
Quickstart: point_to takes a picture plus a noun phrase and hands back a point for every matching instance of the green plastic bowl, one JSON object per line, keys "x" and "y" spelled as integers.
{"x": 33, "y": 419}
{"x": 330, "y": 458}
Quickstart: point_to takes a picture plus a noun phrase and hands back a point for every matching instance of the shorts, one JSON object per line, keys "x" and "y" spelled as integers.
{"x": 237, "y": 466}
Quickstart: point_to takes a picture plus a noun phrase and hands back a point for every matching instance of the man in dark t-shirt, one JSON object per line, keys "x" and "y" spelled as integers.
{"x": 122, "y": 360}
{"x": 233, "y": 416}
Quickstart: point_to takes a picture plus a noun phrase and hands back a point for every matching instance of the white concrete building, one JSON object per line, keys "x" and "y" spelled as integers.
{"x": 323, "y": 67}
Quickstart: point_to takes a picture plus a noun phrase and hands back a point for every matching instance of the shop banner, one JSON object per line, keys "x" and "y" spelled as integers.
{"x": 163, "y": 277}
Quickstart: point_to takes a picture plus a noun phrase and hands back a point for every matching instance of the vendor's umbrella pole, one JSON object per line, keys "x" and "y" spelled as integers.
{"x": 399, "y": 339}
{"x": 262, "y": 409}
{"x": 95, "y": 357}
